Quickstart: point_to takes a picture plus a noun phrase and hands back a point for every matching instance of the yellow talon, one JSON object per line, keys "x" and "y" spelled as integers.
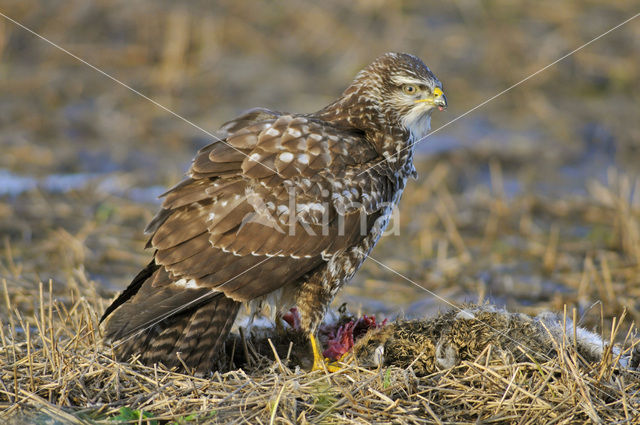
{"x": 319, "y": 362}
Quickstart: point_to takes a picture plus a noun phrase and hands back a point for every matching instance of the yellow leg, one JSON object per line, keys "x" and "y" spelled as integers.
{"x": 319, "y": 362}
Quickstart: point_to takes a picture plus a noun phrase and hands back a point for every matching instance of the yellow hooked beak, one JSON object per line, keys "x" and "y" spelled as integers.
{"x": 437, "y": 99}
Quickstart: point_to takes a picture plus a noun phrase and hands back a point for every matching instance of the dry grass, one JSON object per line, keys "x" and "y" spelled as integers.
{"x": 54, "y": 366}
{"x": 560, "y": 241}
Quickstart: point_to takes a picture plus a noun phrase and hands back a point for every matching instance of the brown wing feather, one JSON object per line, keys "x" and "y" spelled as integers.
{"x": 185, "y": 250}
{"x": 223, "y": 235}
{"x": 151, "y": 305}
{"x": 241, "y": 232}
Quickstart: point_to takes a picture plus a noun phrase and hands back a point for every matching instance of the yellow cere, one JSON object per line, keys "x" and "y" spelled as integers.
{"x": 437, "y": 92}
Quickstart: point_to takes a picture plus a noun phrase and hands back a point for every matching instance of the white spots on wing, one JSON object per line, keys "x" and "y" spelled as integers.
{"x": 286, "y": 157}
{"x": 212, "y": 216}
{"x": 326, "y": 256}
{"x": 389, "y": 157}
{"x": 316, "y": 207}
{"x": 188, "y": 284}
{"x": 255, "y": 157}
{"x": 228, "y": 251}
{"x": 272, "y": 132}
{"x": 303, "y": 158}
{"x": 294, "y": 132}
{"x": 315, "y": 149}
{"x": 311, "y": 206}
{"x": 315, "y": 137}
{"x": 224, "y": 203}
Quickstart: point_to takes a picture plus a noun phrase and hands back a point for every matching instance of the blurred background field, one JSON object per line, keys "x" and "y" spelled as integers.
{"x": 531, "y": 202}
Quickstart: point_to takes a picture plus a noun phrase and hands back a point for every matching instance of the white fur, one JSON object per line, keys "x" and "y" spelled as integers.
{"x": 378, "y": 355}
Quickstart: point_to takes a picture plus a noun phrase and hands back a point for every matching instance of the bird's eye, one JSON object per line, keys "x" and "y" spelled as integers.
{"x": 409, "y": 89}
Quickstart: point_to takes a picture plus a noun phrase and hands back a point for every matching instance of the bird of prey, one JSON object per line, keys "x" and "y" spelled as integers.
{"x": 281, "y": 211}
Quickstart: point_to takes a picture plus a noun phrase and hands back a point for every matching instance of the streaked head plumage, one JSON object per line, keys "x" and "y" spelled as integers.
{"x": 396, "y": 90}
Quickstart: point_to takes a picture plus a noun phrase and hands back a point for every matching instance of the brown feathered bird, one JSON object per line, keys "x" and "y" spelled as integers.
{"x": 282, "y": 210}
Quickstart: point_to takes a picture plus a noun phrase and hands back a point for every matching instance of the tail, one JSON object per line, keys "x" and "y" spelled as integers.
{"x": 193, "y": 337}
{"x": 173, "y": 326}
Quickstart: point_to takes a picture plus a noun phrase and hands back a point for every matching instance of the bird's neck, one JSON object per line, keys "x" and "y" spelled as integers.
{"x": 392, "y": 143}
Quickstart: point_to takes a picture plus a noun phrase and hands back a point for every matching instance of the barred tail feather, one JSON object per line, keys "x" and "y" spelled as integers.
{"x": 196, "y": 335}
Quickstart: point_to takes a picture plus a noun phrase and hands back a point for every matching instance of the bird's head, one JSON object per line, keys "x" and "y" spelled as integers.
{"x": 403, "y": 90}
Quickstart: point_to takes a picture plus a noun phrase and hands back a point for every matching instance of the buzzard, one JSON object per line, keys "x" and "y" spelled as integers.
{"x": 281, "y": 211}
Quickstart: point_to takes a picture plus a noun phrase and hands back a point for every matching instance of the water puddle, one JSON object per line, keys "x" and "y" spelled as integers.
{"x": 13, "y": 185}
